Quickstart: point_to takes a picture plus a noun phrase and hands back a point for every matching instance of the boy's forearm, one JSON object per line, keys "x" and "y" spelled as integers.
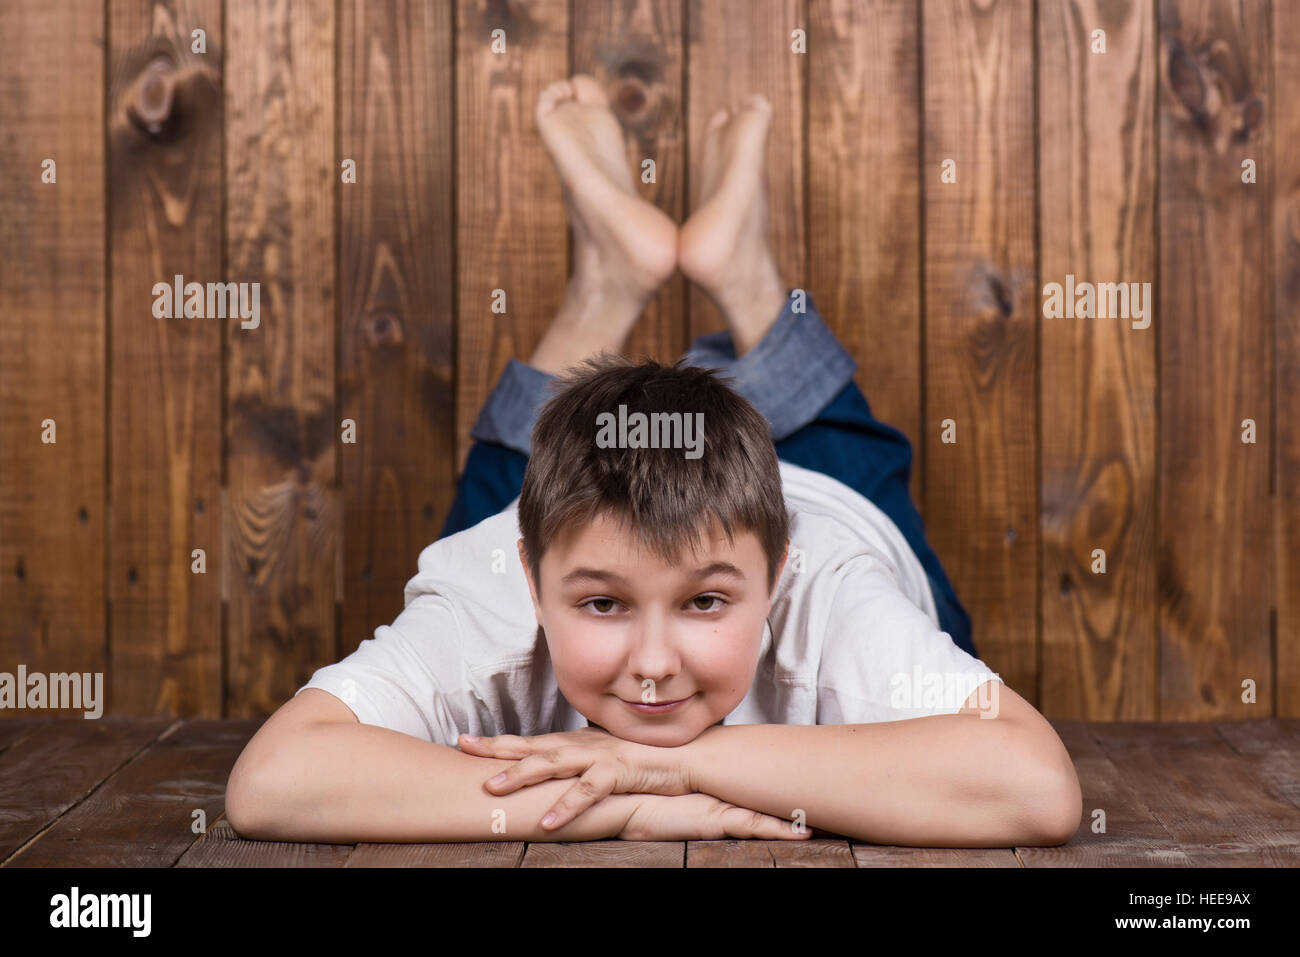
{"x": 939, "y": 781}
{"x": 348, "y": 783}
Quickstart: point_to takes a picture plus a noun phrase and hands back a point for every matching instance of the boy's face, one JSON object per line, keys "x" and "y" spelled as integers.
{"x": 624, "y": 628}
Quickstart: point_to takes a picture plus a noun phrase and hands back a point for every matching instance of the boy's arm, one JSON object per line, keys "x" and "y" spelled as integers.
{"x": 954, "y": 780}
{"x": 313, "y": 772}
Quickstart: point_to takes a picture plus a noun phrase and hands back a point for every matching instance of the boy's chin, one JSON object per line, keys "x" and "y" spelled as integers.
{"x": 656, "y": 737}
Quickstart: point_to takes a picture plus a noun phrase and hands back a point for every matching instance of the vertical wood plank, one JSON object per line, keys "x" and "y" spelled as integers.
{"x": 396, "y": 362}
{"x": 1215, "y": 534}
{"x": 1096, "y": 148}
{"x": 1286, "y": 314}
{"x": 52, "y": 336}
{"x": 634, "y": 49}
{"x": 164, "y": 178}
{"x": 511, "y": 226}
{"x": 281, "y": 428}
{"x": 735, "y": 48}
{"x": 864, "y": 236}
{"x": 981, "y": 308}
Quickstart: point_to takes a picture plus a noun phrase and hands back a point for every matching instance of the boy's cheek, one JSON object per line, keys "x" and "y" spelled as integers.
{"x": 578, "y": 661}
{"x": 728, "y": 666}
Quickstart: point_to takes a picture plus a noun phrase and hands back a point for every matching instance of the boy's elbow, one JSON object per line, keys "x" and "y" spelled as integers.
{"x": 246, "y": 801}
{"x": 239, "y": 812}
{"x": 1046, "y": 787}
{"x": 1060, "y": 809}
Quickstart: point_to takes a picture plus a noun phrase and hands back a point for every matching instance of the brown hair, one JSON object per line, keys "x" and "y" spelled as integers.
{"x": 660, "y": 492}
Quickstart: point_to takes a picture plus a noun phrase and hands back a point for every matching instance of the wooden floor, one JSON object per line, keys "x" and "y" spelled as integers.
{"x": 127, "y": 792}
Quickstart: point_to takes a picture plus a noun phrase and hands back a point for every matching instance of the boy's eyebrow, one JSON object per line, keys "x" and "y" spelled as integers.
{"x": 600, "y": 575}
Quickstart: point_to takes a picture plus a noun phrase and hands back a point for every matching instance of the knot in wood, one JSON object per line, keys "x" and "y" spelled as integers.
{"x": 151, "y": 107}
{"x": 630, "y": 96}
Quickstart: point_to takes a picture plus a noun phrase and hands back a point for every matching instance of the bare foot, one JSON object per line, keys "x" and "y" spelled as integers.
{"x": 725, "y": 246}
{"x": 624, "y": 248}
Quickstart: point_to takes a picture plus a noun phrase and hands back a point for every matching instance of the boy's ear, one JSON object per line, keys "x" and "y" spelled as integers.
{"x": 785, "y": 553}
{"x": 528, "y": 575}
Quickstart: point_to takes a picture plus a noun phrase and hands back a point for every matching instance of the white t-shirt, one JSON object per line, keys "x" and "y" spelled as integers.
{"x": 852, "y": 638}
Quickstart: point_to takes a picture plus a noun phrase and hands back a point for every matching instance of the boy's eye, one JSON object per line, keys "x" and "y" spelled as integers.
{"x": 603, "y": 606}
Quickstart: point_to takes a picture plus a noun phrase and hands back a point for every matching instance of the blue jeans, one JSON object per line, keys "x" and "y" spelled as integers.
{"x": 799, "y": 377}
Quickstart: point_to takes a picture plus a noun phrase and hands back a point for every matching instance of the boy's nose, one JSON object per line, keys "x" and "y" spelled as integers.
{"x": 654, "y": 650}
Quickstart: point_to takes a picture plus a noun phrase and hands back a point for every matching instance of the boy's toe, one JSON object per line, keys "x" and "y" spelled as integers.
{"x": 552, "y": 96}
{"x": 587, "y": 90}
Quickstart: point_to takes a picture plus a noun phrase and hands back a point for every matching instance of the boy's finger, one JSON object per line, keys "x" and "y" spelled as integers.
{"x": 536, "y": 768}
{"x": 743, "y": 823}
{"x": 502, "y": 746}
{"x": 591, "y": 789}
{"x": 786, "y": 831}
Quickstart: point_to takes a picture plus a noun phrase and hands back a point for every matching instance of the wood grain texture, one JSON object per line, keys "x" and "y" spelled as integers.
{"x": 164, "y": 199}
{"x": 1286, "y": 356}
{"x": 53, "y": 769}
{"x": 1126, "y": 833}
{"x": 606, "y": 854}
{"x": 511, "y": 227}
{"x": 1269, "y": 747}
{"x": 193, "y": 433}
{"x": 13, "y": 730}
{"x": 873, "y": 855}
{"x": 813, "y": 852}
{"x": 981, "y": 308}
{"x": 1214, "y": 514}
{"x": 735, "y": 48}
{"x": 1201, "y": 789}
{"x": 481, "y": 854}
{"x": 125, "y": 789}
{"x": 52, "y": 337}
{"x": 144, "y": 815}
{"x": 634, "y": 49}
{"x": 221, "y": 846}
{"x": 1097, "y": 165}
{"x": 864, "y": 236}
{"x": 281, "y": 518}
{"x": 397, "y": 294}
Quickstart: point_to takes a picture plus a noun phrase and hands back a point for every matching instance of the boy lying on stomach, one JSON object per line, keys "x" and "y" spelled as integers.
{"x": 688, "y": 638}
{"x": 656, "y": 646}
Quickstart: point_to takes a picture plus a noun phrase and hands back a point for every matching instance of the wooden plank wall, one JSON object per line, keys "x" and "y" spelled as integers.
{"x": 164, "y": 412}
{"x": 1097, "y": 164}
{"x": 980, "y": 320}
{"x": 53, "y": 339}
{"x": 397, "y": 299}
{"x": 1214, "y": 360}
{"x": 1074, "y": 438}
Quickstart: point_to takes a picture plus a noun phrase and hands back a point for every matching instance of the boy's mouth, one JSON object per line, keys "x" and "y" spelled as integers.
{"x": 660, "y": 707}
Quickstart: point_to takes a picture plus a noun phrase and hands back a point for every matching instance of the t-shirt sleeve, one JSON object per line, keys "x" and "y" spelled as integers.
{"x": 391, "y": 681}
{"x": 884, "y": 659}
